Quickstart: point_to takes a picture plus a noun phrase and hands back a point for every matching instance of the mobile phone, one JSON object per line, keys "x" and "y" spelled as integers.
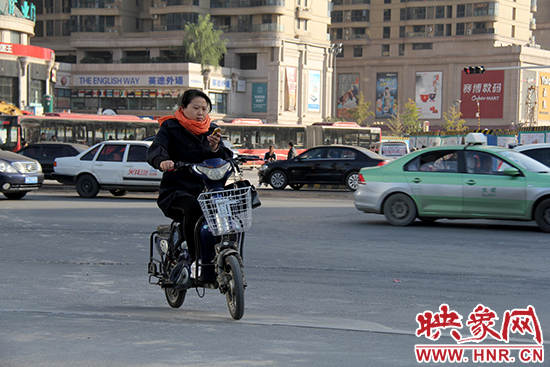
{"x": 216, "y": 130}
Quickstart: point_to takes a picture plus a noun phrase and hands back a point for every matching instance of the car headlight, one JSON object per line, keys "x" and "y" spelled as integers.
{"x": 6, "y": 168}
{"x": 264, "y": 167}
{"x": 38, "y": 167}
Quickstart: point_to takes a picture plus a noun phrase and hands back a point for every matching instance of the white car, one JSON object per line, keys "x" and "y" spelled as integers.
{"x": 118, "y": 166}
{"x": 540, "y": 152}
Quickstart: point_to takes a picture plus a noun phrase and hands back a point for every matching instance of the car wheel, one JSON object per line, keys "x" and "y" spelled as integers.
{"x": 542, "y": 215}
{"x": 296, "y": 186}
{"x": 278, "y": 180}
{"x": 118, "y": 192}
{"x": 352, "y": 180}
{"x": 15, "y": 195}
{"x": 87, "y": 186}
{"x": 400, "y": 210}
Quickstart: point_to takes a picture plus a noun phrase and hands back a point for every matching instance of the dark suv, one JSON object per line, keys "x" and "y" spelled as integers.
{"x": 47, "y": 152}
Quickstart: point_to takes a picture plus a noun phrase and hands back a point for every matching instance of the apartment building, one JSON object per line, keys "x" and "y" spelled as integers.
{"x": 27, "y": 71}
{"x": 277, "y": 66}
{"x": 396, "y": 50}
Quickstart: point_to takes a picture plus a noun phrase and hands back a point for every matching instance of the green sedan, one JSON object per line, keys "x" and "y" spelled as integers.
{"x": 472, "y": 181}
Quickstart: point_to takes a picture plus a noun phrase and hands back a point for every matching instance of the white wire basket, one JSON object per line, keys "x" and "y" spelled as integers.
{"x": 227, "y": 211}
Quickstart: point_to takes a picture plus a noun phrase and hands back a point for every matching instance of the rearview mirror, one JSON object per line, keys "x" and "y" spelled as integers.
{"x": 511, "y": 171}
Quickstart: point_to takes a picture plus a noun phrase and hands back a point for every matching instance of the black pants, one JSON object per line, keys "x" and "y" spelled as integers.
{"x": 191, "y": 213}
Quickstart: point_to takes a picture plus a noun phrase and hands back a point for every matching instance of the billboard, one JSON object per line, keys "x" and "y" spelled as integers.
{"x": 259, "y": 97}
{"x": 348, "y": 89}
{"x": 291, "y": 85}
{"x": 313, "y": 92}
{"x": 544, "y": 97}
{"x": 428, "y": 94}
{"x": 487, "y": 90}
{"x": 386, "y": 94}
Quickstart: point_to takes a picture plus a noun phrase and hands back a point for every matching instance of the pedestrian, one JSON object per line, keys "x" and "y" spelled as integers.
{"x": 291, "y": 151}
{"x": 185, "y": 137}
{"x": 270, "y": 156}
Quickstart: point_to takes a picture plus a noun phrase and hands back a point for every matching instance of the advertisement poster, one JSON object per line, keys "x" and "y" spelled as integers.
{"x": 348, "y": 89}
{"x": 487, "y": 90}
{"x": 259, "y": 97}
{"x": 528, "y": 96}
{"x": 314, "y": 88}
{"x": 386, "y": 94}
{"x": 544, "y": 98}
{"x": 428, "y": 94}
{"x": 291, "y": 84}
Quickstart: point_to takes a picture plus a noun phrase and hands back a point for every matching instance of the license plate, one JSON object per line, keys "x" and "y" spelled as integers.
{"x": 31, "y": 180}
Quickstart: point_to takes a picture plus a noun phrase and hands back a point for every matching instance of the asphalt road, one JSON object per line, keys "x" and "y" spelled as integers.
{"x": 328, "y": 285}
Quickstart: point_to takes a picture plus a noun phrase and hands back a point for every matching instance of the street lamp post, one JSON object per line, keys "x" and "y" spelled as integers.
{"x": 335, "y": 49}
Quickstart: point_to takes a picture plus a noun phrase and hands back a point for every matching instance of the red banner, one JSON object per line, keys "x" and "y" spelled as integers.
{"x": 483, "y": 93}
{"x": 24, "y": 50}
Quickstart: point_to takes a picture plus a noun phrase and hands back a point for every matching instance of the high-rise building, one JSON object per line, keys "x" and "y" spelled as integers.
{"x": 277, "y": 66}
{"x": 398, "y": 50}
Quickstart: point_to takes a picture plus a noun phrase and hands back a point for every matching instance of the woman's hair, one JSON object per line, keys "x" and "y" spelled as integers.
{"x": 291, "y": 144}
{"x": 191, "y": 94}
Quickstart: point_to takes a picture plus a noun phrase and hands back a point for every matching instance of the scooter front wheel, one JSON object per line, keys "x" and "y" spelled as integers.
{"x": 174, "y": 297}
{"x": 235, "y": 293}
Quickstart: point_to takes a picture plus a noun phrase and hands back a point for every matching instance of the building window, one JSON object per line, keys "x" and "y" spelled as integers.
{"x": 66, "y": 6}
{"x": 49, "y": 28}
{"x": 65, "y": 27}
{"x": 336, "y": 33}
{"x": 482, "y": 9}
{"x": 15, "y": 37}
{"x": 387, "y": 15}
{"x": 402, "y": 49}
{"x": 341, "y": 54}
{"x": 219, "y": 102}
{"x": 386, "y": 32}
{"x": 513, "y": 33}
{"x": 48, "y": 6}
{"x": 385, "y": 50}
{"x": 461, "y": 10}
{"x": 413, "y": 13}
{"x": 337, "y": 16}
{"x": 359, "y": 33}
{"x": 439, "y": 12}
{"x": 387, "y": 1}
{"x": 7, "y": 89}
{"x": 439, "y": 30}
{"x": 248, "y": 61}
{"x": 360, "y": 15}
{"x": 448, "y": 29}
{"x": 460, "y": 28}
{"x": 266, "y": 19}
{"x": 357, "y": 51}
{"x": 422, "y": 46}
{"x": 449, "y": 11}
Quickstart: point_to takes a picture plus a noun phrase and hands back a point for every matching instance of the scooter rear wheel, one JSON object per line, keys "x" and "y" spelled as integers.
{"x": 175, "y": 297}
{"x": 235, "y": 293}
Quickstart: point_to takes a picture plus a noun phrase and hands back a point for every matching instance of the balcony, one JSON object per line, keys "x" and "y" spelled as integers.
{"x": 415, "y": 34}
{"x": 245, "y": 3}
{"x": 533, "y": 6}
{"x": 163, "y": 3}
{"x": 96, "y": 4}
{"x": 251, "y": 28}
{"x": 483, "y": 31}
{"x": 303, "y": 13}
{"x": 533, "y": 24}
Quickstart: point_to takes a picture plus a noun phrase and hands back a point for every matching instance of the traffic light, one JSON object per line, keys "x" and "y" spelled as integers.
{"x": 474, "y": 70}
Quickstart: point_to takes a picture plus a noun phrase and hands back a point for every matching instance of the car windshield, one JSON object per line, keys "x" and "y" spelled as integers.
{"x": 526, "y": 162}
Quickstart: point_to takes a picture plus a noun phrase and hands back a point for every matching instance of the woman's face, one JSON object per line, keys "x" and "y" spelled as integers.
{"x": 196, "y": 110}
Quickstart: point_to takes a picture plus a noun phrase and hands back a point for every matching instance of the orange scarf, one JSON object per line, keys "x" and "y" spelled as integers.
{"x": 195, "y": 127}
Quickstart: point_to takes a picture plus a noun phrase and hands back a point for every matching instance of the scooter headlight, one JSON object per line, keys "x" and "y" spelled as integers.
{"x": 214, "y": 173}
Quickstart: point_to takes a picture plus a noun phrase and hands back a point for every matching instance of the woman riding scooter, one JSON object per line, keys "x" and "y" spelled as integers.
{"x": 190, "y": 137}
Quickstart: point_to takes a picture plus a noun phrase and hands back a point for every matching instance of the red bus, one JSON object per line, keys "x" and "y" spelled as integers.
{"x": 86, "y": 129}
{"x": 251, "y": 136}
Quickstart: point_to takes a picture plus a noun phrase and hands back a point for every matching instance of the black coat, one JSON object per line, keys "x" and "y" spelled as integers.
{"x": 174, "y": 142}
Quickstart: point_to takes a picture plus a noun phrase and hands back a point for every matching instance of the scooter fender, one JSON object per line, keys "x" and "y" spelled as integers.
{"x": 220, "y": 258}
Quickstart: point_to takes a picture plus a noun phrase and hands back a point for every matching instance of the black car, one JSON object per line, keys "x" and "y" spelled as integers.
{"x": 47, "y": 152}
{"x": 540, "y": 152}
{"x": 19, "y": 175}
{"x": 331, "y": 164}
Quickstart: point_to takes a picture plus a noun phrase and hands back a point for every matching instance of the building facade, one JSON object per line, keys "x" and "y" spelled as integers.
{"x": 277, "y": 67}
{"x": 28, "y": 72}
{"x": 398, "y": 50}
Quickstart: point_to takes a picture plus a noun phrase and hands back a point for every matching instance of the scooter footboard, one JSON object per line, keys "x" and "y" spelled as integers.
{"x": 155, "y": 267}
